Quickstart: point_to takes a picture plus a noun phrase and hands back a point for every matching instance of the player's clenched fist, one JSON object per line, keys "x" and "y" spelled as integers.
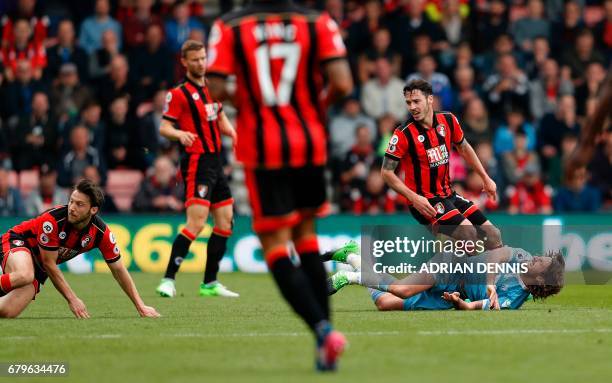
{"x": 186, "y": 138}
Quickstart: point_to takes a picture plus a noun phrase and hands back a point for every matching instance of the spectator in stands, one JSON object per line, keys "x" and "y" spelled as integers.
{"x": 519, "y": 158}
{"x": 515, "y": 121}
{"x": 555, "y": 9}
{"x": 47, "y": 195}
{"x": 530, "y": 195}
{"x": 119, "y": 128}
{"x": 546, "y": 90}
{"x": 381, "y": 47}
{"x": 384, "y": 93}
{"x": 487, "y": 63}
{"x": 69, "y": 95}
{"x": 577, "y": 195}
{"x": 426, "y": 70}
{"x": 81, "y": 155}
{"x": 601, "y": 168}
{"x": 356, "y": 167}
{"x": 135, "y": 25}
{"x": 526, "y": 29}
{"x": 35, "y": 137}
{"x": 149, "y": 124}
{"x": 160, "y": 192}
{"x": 66, "y": 51}
{"x": 360, "y": 33}
{"x": 473, "y": 192}
{"x": 93, "y": 27}
{"x": 476, "y": 124}
{"x": 554, "y": 166}
{"x": 465, "y": 88}
{"x": 24, "y": 10}
{"x": 491, "y": 25}
{"x": 151, "y": 77}
{"x": 453, "y": 22}
{"x": 376, "y": 197}
{"x": 484, "y": 152}
{"x": 100, "y": 59}
{"x": 508, "y": 87}
{"x": 554, "y": 127}
{"x": 343, "y": 126}
{"x": 17, "y": 95}
{"x": 91, "y": 173}
{"x": 22, "y": 47}
{"x": 603, "y": 31}
{"x": 10, "y": 199}
{"x": 116, "y": 84}
{"x": 91, "y": 119}
{"x": 180, "y": 25}
{"x": 536, "y": 59}
{"x": 593, "y": 79}
{"x": 564, "y": 32}
{"x": 578, "y": 56}
{"x": 386, "y": 125}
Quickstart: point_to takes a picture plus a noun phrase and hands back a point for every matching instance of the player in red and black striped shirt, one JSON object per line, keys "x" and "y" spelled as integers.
{"x": 31, "y": 251}
{"x": 422, "y": 147}
{"x": 280, "y": 53}
{"x": 200, "y": 122}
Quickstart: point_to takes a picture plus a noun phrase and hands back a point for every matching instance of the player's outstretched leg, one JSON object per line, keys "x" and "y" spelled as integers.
{"x": 349, "y": 253}
{"x": 341, "y": 279}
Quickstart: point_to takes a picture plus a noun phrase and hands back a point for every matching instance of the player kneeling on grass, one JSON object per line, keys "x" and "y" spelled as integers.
{"x": 544, "y": 277}
{"x": 32, "y": 250}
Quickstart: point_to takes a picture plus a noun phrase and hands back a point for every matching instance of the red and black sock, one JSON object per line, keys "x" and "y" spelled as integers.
{"x": 180, "y": 248}
{"x": 215, "y": 249}
{"x": 294, "y": 287}
{"x": 313, "y": 267}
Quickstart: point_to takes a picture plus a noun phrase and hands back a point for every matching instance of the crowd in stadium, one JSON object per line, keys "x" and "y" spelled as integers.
{"x": 83, "y": 87}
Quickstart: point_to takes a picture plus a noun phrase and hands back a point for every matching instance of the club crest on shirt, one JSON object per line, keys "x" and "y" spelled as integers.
{"x": 439, "y": 208}
{"x": 441, "y": 131}
{"x": 202, "y": 190}
{"x": 85, "y": 241}
{"x": 18, "y": 242}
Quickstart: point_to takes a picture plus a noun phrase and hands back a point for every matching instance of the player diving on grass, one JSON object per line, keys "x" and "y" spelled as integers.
{"x": 539, "y": 276}
{"x": 31, "y": 251}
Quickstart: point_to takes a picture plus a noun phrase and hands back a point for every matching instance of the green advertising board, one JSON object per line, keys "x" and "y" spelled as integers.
{"x": 145, "y": 241}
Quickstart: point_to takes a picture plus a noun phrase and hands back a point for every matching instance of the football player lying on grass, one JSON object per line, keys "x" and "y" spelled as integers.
{"x": 543, "y": 277}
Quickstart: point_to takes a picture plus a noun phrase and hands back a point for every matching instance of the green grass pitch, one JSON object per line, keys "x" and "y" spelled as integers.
{"x": 256, "y": 338}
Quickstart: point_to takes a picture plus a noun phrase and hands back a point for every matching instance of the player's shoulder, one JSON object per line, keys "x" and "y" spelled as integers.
{"x": 261, "y": 9}
{"x": 98, "y": 223}
{"x": 58, "y": 213}
{"x": 445, "y": 113}
{"x": 402, "y": 126}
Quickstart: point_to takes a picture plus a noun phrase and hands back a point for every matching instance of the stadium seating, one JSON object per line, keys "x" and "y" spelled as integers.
{"x": 122, "y": 185}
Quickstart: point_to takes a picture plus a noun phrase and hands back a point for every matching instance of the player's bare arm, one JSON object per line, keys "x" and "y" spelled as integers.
{"x": 226, "y": 127}
{"x": 76, "y": 305}
{"x": 340, "y": 81}
{"x": 469, "y": 155}
{"x": 168, "y": 130}
{"x": 460, "y": 304}
{"x": 394, "y": 182}
{"x": 122, "y": 276}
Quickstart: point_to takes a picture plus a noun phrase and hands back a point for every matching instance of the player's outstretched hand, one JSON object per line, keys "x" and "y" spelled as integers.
{"x": 186, "y": 138}
{"x": 148, "y": 312}
{"x": 455, "y": 299}
{"x": 490, "y": 188}
{"x": 78, "y": 308}
{"x": 424, "y": 207}
{"x": 493, "y": 298}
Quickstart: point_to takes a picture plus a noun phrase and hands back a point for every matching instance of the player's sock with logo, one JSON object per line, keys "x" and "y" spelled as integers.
{"x": 294, "y": 287}
{"x": 180, "y": 247}
{"x": 308, "y": 249}
{"x": 215, "y": 249}
{"x": 5, "y": 284}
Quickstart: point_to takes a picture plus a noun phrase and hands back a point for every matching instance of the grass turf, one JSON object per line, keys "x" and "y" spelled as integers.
{"x": 256, "y": 338}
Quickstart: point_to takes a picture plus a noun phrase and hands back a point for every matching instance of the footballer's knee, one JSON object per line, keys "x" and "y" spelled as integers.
{"x": 493, "y": 236}
{"x": 384, "y": 304}
{"x": 466, "y": 232}
{"x": 7, "y": 312}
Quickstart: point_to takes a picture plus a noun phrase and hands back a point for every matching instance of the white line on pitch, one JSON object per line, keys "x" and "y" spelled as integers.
{"x": 514, "y": 332}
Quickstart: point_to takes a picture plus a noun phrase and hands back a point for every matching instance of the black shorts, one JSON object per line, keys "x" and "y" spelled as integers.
{"x": 451, "y": 211}
{"x": 205, "y": 182}
{"x": 11, "y": 242}
{"x": 283, "y": 197}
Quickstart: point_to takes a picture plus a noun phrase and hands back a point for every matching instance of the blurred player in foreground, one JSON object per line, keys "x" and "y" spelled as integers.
{"x": 280, "y": 54}
{"x": 31, "y": 251}
{"x": 543, "y": 277}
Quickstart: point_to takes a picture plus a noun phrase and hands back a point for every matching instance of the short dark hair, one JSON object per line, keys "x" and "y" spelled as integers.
{"x": 418, "y": 84}
{"x": 554, "y": 278}
{"x": 191, "y": 45}
{"x": 93, "y": 191}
